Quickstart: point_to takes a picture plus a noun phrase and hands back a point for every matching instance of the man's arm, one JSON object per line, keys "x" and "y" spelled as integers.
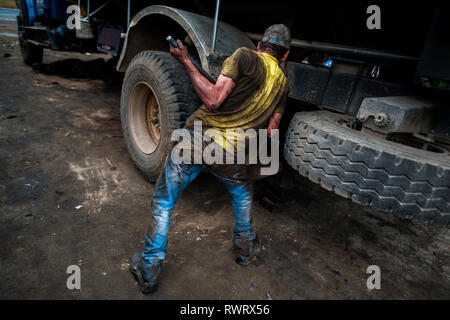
{"x": 211, "y": 95}
{"x": 274, "y": 122}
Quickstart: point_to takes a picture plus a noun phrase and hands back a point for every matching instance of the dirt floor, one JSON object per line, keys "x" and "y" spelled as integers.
{"x": 55, "y": 133}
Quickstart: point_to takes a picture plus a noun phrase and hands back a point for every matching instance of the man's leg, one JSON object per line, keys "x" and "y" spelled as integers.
{"x": 171, "y": 183}
{"x": 246, "y": 242}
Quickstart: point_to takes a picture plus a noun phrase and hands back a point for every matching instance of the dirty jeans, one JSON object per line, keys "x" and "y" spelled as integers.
{"x": 170, "y": 185}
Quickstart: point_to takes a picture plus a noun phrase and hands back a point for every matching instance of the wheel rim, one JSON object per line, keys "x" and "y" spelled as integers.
{"x": 145, "y": 118}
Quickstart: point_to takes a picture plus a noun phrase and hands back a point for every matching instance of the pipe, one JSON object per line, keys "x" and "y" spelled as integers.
{"x": 216, "y": 22}
{"x": 99, "y": 8}
{"x": 342, "y": 49}
{"x": 128, "y": 14}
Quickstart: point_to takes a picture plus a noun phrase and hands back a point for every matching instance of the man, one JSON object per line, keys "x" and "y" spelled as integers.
{"x": 250, "y": 93}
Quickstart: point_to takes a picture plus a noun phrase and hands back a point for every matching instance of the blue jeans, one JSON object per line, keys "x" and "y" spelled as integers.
{"x": 168, "y": 188}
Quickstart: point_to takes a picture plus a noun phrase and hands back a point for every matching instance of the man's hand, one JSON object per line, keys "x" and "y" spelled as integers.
{"x": 212, "y": 95}
{"x": 179, "y": 53}
{"x": 274, "y": 123}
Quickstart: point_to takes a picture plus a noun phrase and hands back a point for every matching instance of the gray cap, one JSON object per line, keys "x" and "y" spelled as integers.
{"x": 278, "y": 34}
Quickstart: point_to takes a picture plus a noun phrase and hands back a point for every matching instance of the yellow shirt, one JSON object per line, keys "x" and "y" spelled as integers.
{"x": 260, "y": 91}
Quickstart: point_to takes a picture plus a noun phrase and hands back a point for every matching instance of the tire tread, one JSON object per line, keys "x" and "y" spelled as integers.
{"x": 341, "y": 161}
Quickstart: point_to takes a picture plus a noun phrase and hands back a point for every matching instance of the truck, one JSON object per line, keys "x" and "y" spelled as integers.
{"x": 368, "y": 113}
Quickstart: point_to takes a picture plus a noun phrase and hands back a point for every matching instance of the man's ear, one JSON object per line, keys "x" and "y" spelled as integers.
{"x": 284, "y": 57}
{"x": 258, "y": 47}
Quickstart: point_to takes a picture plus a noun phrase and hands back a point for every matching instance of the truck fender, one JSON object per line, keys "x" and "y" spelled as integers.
{"x": 149, "y": 28}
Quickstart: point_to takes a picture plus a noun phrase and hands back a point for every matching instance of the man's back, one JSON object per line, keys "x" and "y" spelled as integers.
{"x": 260, "y": 91}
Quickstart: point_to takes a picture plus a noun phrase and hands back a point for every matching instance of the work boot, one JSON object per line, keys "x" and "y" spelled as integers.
{"x": 246, "y": 251}
{"x": 138, "y": 269}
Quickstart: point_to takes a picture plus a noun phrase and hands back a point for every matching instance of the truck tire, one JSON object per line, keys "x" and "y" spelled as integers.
{"x": 157, "y": 97}
{"x": 388, "y": 176}
{"x": 30, "y": 53}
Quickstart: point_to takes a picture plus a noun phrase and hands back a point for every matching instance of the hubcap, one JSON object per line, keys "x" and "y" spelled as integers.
{"x": 145, "y": 118}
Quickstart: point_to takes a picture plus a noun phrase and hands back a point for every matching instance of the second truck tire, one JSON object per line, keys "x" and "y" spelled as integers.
{"x": 157, "y": 97}
{"x": 388, "y": 176}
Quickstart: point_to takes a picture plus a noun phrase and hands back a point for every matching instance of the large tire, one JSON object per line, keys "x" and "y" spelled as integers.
{"x": 152, "y": 79}
{"x": 30, "y": 53}
{"x": 388, "y": 176}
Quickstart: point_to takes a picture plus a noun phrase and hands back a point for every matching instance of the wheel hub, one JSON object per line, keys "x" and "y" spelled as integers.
{"x": 145, "y": 118}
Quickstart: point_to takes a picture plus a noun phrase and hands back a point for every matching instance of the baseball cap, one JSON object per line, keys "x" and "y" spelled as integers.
{"x": 278, "y": 34}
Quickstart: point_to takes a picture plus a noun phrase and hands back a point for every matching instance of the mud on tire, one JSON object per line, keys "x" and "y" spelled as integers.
{"x": 158, "y": 74}
{"x": 388, "y": 176}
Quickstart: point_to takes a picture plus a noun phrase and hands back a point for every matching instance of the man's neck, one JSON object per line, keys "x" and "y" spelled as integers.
{"x": 269, "y": 53}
